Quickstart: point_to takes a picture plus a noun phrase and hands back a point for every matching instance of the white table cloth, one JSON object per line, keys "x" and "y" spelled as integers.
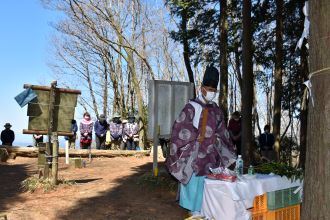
{"x": 229, "y": 201}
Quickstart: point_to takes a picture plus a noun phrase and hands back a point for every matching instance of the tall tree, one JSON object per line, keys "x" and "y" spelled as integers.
{"x": 317, "y": 172}
{"x": 223, "y": 96}
{"x": 186, "y": 47}
{"x": 278, "y": 75}
{"x": 184, "y": 10}
{"x": 304, "y": 109}
{"x": 247, "y": 89}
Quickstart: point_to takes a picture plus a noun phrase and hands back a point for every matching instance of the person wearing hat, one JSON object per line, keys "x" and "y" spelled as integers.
{"x": 131, "y": 129}
{"x": 199, "y": 141}
{"x": 7, "y": 135}
{"x": 86, "y": 131}
{"x": 116, "y": 132}
{"x": 100, "y": 128}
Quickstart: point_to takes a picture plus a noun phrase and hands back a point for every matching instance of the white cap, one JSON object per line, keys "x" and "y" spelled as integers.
{"x": 239, "y": 155}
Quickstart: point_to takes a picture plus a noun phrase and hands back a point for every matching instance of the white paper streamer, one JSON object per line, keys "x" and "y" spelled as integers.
{"x": 308, "y": 84}
{"x": 305, "y": 33}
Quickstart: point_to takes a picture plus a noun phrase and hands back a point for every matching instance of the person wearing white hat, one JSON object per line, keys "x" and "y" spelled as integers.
{"x": 7, "y": 135}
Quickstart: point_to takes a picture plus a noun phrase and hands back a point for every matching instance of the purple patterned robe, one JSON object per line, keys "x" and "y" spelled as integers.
{"x": 187, "y": 155}
{"x": 116, "y": 130}
{"x": 131, "y": 129}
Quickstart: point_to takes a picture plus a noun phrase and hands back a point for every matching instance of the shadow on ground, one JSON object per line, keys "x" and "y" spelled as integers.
{"x": 85, "y": 180}
{"x": 11, "y": 176}
{"x": 149, "y": 200}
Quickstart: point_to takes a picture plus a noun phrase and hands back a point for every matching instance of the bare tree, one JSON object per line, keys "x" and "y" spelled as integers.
{"x": 110, "y": 44}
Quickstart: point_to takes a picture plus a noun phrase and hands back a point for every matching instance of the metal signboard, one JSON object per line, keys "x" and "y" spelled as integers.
{"x": 166, "y": 100}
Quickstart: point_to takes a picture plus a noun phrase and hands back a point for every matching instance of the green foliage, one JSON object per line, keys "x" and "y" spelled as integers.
{"x": 203, "y": 37}
{"x": 288, "y": 144}
{"x": 281, "y": 169}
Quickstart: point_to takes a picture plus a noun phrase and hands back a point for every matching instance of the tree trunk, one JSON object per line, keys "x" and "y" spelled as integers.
{"x": 238, "y": 74}
{"x": 122, "y": 105}
{"x": 304, "y": 109}
{"x": 137, "y": 90}
{"x": 278, "y": 75}
{"x": 33, "y": 152}
{"x": 317, "y": 173}
{"x": 223, "y": 96}
{"x": 247, "y": 85}
{"x": 105, "y": 88}
{"x": 91, "y": 91}
{"x": 186, "y": 50}
{"x": 238, "y": 68}
{"x": 268, "y": 100}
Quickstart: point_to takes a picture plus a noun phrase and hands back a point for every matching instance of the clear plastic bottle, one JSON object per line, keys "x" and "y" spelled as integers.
{"x": 251, "y": 170}
{"x": 239, "y": 166}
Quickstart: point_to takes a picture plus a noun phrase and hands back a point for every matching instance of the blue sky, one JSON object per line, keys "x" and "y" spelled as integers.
{"x": 24, "y": 42}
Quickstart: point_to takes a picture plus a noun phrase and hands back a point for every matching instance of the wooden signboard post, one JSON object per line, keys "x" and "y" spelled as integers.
{"x": 51, "y": 114}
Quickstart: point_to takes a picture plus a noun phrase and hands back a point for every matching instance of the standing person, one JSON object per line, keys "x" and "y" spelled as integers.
{"x": 116, "y": 132}
{"x": 71, "y": 140}
{"x": 37, "y": 138}
{"x": 199, "y": 141}
{"x": 7, "y": 135}
{"x": 100, "y": 128}
{"x": 234, "y": 128}
{"x": 86, "y": 131}
{"x": 131, "y": 129}
{"x": 266, "y": 142}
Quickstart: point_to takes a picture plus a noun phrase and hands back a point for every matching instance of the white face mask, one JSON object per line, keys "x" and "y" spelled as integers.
{"x": 209, "y": 96}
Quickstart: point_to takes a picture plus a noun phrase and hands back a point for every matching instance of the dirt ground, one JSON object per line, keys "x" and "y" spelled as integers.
{"x": 107, "y": 188}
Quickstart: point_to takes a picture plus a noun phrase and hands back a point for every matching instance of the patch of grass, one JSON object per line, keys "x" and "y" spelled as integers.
{"x": 33, "y": 183}
{"x": 163, "y": 181}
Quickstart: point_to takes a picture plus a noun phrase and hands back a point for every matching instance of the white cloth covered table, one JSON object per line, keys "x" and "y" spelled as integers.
{"x": 229, "y": 201}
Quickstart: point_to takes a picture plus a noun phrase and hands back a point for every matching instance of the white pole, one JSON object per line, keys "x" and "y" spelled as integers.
{"x": 67, "y": 151}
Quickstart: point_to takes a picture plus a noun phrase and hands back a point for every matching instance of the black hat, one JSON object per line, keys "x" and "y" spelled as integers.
{"x": 7, "y": 125}
{"x": 211, "y": 77}
{"x": 102, "y": 116}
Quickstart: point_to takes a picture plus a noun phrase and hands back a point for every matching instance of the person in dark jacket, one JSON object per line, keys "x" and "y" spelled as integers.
{"x": 100, "y": 128}
{"x": 234, "y": 128}
{"x": 266, "y": 142}
{"x": 71, "y": 140}
{"x": 7, "y": 135}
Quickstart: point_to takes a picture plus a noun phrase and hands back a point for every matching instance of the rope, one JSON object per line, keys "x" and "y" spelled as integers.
{"x": 318, "y": 72}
